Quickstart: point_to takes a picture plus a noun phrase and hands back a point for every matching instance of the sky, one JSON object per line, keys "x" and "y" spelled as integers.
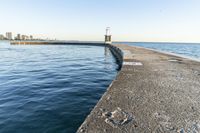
{"x": 86, "y": 20}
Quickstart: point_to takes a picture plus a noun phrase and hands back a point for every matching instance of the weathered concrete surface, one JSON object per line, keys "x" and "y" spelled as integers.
{"x": 161, "y": 95}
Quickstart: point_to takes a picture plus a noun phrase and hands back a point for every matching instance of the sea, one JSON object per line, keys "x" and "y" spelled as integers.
{"x": 186, "y": 50}
{"x": 51, "y": 88}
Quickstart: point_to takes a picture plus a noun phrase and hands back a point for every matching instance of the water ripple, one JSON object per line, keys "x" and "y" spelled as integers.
{"x": 51, "y": 88}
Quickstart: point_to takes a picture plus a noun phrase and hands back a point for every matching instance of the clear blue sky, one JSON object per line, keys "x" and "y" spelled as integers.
{"x": 130, "y": 20}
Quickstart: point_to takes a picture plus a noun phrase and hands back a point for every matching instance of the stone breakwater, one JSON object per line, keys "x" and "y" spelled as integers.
{"x": 153, "y": 92}
{"x": 117, "y": 52}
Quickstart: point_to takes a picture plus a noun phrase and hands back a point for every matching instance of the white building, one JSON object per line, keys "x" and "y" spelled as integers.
{"x": 1, "y": 37}
{"x": 24, "y": 37}
{"x": 9, "y": 35}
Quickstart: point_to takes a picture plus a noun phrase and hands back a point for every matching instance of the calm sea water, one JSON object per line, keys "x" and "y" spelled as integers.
{"x": 186, "y": 49}
{"x": 51, "y": 89}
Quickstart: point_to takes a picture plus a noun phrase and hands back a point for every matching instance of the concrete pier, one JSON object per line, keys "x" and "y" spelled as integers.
{"x": 56, "y": 43}
{"x": 153, "y": 92}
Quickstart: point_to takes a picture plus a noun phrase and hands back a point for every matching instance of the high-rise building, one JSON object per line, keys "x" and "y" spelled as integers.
{"x": 31, "y": 37}
{"x": 18, "y": 37}
{"x": 9, "y": 35}
{"x": 1, "y": 37}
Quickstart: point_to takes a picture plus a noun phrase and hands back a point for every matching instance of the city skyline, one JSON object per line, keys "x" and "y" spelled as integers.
{"x": 130, "y": 20}
{"x": 11, "y": 36}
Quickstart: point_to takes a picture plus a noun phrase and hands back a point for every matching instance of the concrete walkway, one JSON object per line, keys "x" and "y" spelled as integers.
{"x": 153, "y": 92}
